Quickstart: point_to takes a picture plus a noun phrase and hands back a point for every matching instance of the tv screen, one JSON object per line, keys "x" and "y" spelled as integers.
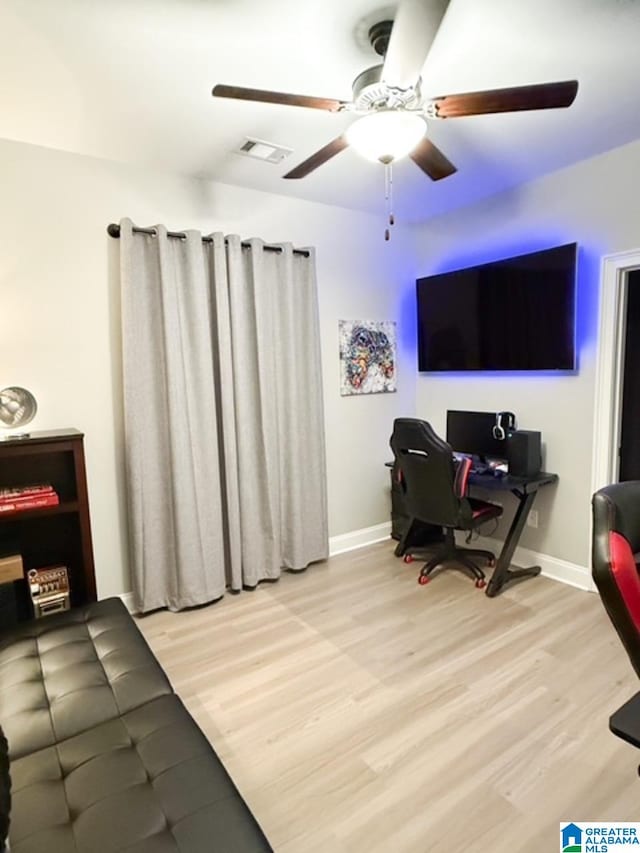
{"x": 512, "y": 314}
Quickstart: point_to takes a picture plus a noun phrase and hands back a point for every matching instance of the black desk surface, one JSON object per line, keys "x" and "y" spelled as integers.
{"x": 506, "y": 482}
{"x": 501, "y": 482}
{"x": 625, "y": 722}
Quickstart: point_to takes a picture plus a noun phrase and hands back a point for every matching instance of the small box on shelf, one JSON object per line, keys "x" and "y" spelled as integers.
{"x": 11, "y": 568}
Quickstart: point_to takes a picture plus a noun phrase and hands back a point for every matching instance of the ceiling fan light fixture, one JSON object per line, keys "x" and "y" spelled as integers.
{"x": 386, "y": 135}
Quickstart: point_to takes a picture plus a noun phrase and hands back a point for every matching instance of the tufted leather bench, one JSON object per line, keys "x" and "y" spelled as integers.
{"x": 104, "y": 755}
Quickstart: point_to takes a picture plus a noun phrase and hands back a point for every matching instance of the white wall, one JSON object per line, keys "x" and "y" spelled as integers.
{"x": 597, "y": 204}
{"x": 59, "y": 310}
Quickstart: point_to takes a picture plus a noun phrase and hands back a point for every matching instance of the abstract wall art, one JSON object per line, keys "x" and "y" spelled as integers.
{"x": 367, "y": 357}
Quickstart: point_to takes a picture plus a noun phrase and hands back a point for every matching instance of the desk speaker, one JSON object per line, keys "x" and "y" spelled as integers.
{"x": 524, "y": 453}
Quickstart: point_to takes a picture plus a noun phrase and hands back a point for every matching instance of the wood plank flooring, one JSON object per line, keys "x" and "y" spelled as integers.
{"x": 358, "y": 712}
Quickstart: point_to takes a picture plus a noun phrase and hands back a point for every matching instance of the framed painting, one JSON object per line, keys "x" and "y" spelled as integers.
{"x": 367, "y": 357}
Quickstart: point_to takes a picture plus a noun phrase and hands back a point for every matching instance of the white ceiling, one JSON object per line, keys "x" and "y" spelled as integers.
{"x": 131, "y": 80}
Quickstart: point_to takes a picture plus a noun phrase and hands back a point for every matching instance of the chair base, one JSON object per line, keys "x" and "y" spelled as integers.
{"x": 449, "y": 552}
{"x": 480, "y": 583}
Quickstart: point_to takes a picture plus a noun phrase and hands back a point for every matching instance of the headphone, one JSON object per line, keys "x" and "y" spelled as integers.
{"x": 505, "y": 424}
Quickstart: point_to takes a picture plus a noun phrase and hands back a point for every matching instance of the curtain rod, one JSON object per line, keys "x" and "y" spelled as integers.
{"x": 113, "y": 230}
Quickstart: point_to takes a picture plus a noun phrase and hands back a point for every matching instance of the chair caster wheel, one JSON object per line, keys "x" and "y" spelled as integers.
{"x": 408, "y": 558}
{"x": 423, "y": 579}
{"x": 481, "y": 583}
{"x": 491, "y": 564}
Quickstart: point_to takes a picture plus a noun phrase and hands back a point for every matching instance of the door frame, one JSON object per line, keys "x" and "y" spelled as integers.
{"x": 610, "y": 365}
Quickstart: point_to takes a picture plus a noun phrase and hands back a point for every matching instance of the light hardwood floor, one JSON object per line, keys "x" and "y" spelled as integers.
{"x": 358, "y": 712}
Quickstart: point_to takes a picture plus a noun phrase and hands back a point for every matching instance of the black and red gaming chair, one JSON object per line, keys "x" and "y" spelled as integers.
{"x": 616, "y": 541}
{"x": 615, "y": 547}
{"x": 434, "y": 489}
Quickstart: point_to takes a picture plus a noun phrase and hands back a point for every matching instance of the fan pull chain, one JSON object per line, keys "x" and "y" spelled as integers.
{"x": 388, "y": 197}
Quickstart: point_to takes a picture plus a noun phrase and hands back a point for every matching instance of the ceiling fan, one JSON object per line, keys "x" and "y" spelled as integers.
{"x": 390, "y": 100}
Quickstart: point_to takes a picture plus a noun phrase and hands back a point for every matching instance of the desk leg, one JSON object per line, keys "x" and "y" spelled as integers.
{"x": 502, "y": 573}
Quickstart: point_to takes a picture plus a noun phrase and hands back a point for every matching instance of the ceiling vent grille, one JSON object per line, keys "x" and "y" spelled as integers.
{"x": 269, "y": 152}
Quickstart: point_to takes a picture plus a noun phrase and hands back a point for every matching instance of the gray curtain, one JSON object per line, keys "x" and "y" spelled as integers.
{"x": 224, "y": 421}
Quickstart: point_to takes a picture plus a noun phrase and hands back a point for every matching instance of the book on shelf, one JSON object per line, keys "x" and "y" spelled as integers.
{"x": 29, "y": 502}
{"x": 12, "y": 492}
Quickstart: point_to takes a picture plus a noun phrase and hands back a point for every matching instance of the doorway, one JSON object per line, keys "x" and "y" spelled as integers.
{"x": 629, "y": 464}
{"x": 616, "y": 272}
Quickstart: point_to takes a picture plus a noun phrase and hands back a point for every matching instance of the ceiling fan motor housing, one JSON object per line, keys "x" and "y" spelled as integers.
{"x": 371, "y": 93}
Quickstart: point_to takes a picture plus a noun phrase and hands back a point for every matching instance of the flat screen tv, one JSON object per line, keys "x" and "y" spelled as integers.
{"x": 512, "y": 314}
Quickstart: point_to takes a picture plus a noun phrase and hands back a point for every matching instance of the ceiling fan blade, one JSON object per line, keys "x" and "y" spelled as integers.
{"x": 414, "y": 30}
{"x": 242, "y": 94}
{"x": 543, "y": 96}
{"x": 330, "y": 150}
{"x": 431, "y": 160}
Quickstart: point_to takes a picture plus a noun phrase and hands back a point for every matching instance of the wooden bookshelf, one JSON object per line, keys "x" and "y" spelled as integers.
{"x": 51, "y": 535}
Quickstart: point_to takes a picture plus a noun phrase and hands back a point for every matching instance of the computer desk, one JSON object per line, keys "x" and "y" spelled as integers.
{"x": 525, "y": 489}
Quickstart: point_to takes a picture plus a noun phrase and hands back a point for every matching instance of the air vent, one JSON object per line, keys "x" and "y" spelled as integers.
{"x": 261, "y": 150}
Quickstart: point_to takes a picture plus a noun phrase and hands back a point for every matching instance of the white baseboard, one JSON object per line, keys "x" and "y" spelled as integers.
{"x": 127, "y": 600}
{"x": 359, "y": 538}
{"x": 552, "y": 567}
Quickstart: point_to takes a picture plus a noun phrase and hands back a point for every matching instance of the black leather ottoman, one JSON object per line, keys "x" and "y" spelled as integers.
{"x": 104, "y": 756}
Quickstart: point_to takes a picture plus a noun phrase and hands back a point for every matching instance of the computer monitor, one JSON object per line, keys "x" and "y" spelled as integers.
{"x": 472, "y": 433}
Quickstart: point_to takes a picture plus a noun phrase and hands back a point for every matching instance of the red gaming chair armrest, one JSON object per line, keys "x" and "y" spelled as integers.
{"x": 461, "y": 482}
